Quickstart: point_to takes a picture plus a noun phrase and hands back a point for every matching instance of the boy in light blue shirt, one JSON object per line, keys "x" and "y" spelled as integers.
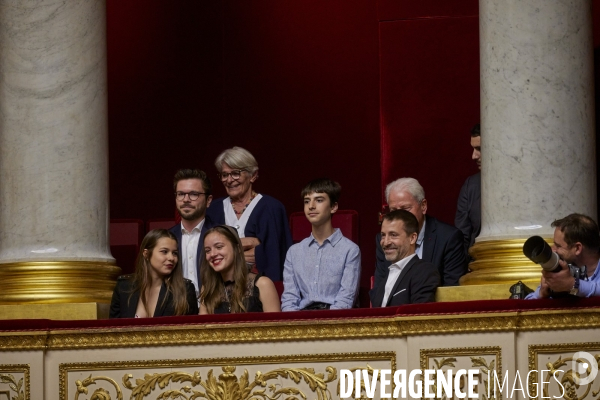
{"x": 323, "y": 270}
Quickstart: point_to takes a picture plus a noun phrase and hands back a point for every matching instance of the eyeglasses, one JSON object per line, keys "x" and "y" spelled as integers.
{"x": 235, "y": 174}
{"x": 192, "y": 195}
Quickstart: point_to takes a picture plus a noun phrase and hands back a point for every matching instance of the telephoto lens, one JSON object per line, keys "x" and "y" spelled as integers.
{"x": 540, "y": 252}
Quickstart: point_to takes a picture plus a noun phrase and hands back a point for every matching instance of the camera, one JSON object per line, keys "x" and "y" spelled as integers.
{"x": 538, "y": 251}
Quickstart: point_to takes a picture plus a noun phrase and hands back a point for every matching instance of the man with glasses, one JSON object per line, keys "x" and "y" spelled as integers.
{"x": 192, "y": 198}
{"x": 437, "y": 242}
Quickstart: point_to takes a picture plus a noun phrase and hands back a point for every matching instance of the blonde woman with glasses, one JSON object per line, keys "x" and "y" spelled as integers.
{"x": 260, "y": 220}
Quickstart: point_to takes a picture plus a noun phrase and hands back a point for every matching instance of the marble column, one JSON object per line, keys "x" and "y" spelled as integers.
{"x": 54, "y": 205}
{"x": 537, "y": 124}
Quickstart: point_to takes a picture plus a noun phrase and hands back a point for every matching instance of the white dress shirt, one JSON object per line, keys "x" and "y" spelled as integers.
{"x": 395, "y": 271}
{"x": 189, "y": 252}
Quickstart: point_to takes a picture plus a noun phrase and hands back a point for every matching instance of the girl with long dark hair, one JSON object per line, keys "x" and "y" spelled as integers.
{"x": 157, "y": 288}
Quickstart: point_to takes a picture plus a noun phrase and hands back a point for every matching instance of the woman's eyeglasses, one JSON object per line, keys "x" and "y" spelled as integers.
{"x": 235, "y": 174}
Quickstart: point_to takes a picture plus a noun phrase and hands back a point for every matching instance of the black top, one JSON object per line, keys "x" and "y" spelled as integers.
{"x": 251, "y": 297}
{"x": 124, "y": 301}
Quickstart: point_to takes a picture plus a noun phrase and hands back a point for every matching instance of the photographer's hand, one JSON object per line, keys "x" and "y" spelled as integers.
{"x": 544, "y": 289}
{"x": 561, "y": 281}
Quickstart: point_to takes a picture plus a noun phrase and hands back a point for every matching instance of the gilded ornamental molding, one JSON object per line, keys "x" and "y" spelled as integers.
{"x": 395, "y": 326}
{"x": 564, "y": 319}
{"x": 23, "y": 341}
{"x": 223, "y": 333}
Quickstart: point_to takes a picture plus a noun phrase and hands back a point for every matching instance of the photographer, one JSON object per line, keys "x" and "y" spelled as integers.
{"x": 577, "y": 242}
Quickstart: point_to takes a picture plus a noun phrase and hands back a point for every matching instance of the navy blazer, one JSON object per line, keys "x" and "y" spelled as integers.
{"x": 176, "y": 230}
{"x": 417, "y": 283}
{"x": 442, "y": 246}
{"x": 269, "y": 224}
{"x": 124, "y": 302}
{"x": 468, "y": 211}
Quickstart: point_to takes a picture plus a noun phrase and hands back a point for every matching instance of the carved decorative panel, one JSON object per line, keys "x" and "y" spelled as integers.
{"x": 561, "y": 370}
{"x": 484, "y": 359}
{"x": 270, "y": 377}
{"x": 14, "y": 381}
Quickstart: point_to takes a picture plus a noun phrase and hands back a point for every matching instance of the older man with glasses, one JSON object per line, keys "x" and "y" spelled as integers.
{"x": 261, "y": 220}
{"x": 192, "y": 198}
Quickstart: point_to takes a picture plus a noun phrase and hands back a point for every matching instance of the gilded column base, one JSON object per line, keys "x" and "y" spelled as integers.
{"x": 43, "y": 282}
{"x": 501, "y": 262}
{"x": 497, "y": 291}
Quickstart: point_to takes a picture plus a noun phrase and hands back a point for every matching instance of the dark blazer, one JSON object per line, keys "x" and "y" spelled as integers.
{"x": 176, "y": 230}
{"x": 416, "y": 284}
{"x": 121, "y": 306}
{"x": 269, "y": 224}
{"x": 468, "y": 211}
{"x": 442, "y": 246}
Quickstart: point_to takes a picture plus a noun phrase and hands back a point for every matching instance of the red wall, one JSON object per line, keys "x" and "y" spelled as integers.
{"x": 164, "y": 99}
{"x": 429, "y": 61}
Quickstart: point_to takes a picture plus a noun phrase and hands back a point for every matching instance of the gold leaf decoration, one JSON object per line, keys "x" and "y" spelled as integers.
{"x": 445, "y": 362}
{"x": 16, "y": 387}
{"x": 484, "y": 368}
{"x": 477, "y": 356}
{"x": 569, "y": 378}
{"x": 22, "y": 340}
{"x": 20, "y": 387}
{"x": 100, "y": 393}
{"x": 572, "y": 390}
{"x": 229, "y": 387}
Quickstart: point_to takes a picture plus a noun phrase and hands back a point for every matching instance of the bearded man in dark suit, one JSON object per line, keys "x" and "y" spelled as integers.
{"x": 410, "y": 280}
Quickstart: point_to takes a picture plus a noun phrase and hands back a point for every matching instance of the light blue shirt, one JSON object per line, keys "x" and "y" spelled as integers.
{"x": 588, "y": 288}
{"x": 329, "y": 273}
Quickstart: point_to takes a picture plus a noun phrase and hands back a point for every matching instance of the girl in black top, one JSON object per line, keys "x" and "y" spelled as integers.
{"x": 227, "y": 286}
{"x": 157, "y": 288}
